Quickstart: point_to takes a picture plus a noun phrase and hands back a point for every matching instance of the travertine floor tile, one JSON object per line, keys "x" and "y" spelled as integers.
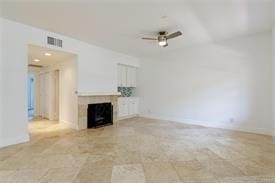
{"x": 93, "y": 174}
{"x": 252, "y": 179}
{"x": 222, "y": 168}
{"x": 139, "y": 150}
{"x": 188, "y": 170}
{"x": 60, "y": 175}
{"x": 26, "y": 175}
{"x": 160, "y": 172}
{"x": 251, "y": 168}
{"x": 129, "y": 173}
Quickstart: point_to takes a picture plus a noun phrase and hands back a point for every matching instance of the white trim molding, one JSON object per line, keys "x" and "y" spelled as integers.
{"x": 208, "y": 124}
{"x": 16, "y": 140}
{"x": 84, "y": 94}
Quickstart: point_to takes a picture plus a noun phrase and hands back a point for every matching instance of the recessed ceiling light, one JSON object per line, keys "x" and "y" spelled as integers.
{"x": 36, "y": 60}
{"x": 48, "y": 54}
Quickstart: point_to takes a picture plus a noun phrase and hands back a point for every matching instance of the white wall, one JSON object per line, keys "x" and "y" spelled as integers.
{"x": 226, "y": 84}
{"x": 96, "y": 66}
{"x": 68, "y": 112}
{"x": 14, "y": 71}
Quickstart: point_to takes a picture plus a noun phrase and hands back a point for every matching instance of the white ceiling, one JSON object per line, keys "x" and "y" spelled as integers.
{"x": 36, "y": 52}
{"x": 120, "y": 24}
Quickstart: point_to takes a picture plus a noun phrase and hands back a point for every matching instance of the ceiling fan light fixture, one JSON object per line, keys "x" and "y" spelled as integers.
{"x": 162, "y": 43}
{"x": 162, "y": 40}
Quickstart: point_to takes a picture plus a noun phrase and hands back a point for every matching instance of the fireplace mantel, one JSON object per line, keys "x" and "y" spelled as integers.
{"x": 87, "y": 94}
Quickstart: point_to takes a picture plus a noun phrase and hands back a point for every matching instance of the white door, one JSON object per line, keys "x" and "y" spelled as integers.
{"x": 47, "y": 95}
{"x": 56, "y": 94}
{"x": 44, "y": 94}
{"x": 41, "y": 95}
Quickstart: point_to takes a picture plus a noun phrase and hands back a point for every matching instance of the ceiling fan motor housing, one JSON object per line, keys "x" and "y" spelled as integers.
{"x": 163, "y": 33}
{"x": 162, "y": 36}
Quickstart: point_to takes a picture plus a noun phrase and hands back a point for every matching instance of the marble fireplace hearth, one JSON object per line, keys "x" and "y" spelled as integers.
{"x": 95, "y": 98}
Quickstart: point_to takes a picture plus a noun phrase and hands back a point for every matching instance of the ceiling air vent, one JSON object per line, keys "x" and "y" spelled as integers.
{"x": 55, "y": 42}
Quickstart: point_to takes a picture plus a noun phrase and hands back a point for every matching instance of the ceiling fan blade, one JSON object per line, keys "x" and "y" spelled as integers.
{"x": 173, "y": 35}
{"x": 148, "y": 38}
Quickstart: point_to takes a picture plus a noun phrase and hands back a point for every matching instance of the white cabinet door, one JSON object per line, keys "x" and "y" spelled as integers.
{"x": 123, "y": 107}
{"x": 123, "y": 75}
{"x": 129, "y": 77}
{"x": 133, "y": 77}
{"x": 119, "y": 76}
{"x": 126, "y": 76}
{"x": 136, "y": 106}
{"x": 131, "y": 106}
{"x": 127, "y": 106}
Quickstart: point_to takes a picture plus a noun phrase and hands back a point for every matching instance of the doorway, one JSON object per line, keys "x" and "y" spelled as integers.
{"x": 31, "y": 95}
{"x": 53, "y": 79}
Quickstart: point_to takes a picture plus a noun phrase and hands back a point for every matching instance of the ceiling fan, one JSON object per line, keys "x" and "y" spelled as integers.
{"x": 163, "y": 37}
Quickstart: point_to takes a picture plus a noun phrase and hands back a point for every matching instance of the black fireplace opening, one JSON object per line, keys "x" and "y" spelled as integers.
{"x": 100, "y": 115}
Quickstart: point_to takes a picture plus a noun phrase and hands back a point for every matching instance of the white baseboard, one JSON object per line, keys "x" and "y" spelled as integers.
{"x": 209, "y": 124}
{"x": 15, "y": 140}
{"x": 127, "y": 117}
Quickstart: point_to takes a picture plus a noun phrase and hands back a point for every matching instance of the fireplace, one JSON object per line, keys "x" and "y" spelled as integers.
{"x": 99, "y": 115}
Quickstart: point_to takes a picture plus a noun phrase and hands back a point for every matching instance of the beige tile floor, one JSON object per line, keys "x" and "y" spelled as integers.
{"x": 138, "y": 150}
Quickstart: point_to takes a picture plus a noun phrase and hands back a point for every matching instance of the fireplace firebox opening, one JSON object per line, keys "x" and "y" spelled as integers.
{"x": 99, "y": 115}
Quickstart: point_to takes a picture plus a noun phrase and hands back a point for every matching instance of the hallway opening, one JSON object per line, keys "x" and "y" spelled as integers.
{"x": 52, "y": 84}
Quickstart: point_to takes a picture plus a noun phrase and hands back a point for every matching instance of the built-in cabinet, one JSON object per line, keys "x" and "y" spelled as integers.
{"x": 127, "y": 107}
{"x": 127, "y": 76}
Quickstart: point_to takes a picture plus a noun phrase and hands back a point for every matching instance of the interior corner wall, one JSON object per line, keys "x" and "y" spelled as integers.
{"x": 273, "y": 77}
{"x": 14, "y": 73}
{"x": 226, "y": 84}
{"x": 96, "y": 73}
{"x": 1, "y": 82}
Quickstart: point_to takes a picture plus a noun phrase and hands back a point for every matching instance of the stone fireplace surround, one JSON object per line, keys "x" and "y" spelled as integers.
{"x": 93, "y": 98}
